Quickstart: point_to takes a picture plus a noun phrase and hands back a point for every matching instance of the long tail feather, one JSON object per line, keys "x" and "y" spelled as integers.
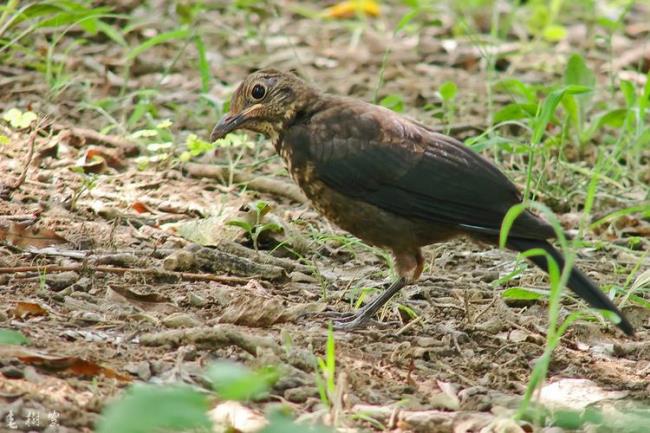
{"x": 582, "y": 285}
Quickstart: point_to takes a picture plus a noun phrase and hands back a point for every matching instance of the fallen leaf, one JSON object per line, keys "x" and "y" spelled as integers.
{"x": 74, "y": 365}
{"x": 140, "y": 207}
{"x": 24, "y": 235}
{"x": 111, "y": 158}
{"x": 23, "y": 310}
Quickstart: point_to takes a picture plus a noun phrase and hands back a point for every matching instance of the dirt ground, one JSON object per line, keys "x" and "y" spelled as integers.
{"x": 101, "y": 275}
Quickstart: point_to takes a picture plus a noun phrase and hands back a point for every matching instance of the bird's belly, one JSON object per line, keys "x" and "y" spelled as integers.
{"x": 366, "y": 221}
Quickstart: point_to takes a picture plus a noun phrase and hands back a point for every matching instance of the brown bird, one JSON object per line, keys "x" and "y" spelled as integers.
{"x": 389, "y": 180}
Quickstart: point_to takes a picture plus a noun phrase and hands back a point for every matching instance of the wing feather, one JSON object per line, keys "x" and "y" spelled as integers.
{"x": 369, "y": 153}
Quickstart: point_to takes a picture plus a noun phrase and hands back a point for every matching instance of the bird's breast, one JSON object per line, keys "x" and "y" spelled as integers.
{"x": 370, "y": 223}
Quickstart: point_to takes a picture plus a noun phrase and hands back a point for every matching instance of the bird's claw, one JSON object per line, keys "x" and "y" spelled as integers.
{"x": 344, "y": 321}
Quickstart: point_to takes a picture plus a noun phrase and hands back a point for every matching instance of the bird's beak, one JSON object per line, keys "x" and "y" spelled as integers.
{"x": 231, "y": 122}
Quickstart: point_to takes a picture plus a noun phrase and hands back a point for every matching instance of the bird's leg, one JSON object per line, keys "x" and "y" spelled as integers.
{"x": 409, "y": 266}
{"x": 362, "y": 316}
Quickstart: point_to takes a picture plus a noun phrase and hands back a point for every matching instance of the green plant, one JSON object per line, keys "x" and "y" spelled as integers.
{"x": 233, "y": 381}
{"x": 158, "y": 143}
{"x": 19, "y": 120}
{"x": 393, "y": 102}
{"x": 326, "y": 376}
{"x": 10, "y": 336}
{"x": 88, "y": 183}
{"x": 156, "y": 408}
{"x": 258, "y": 227}
{"x": 151, "y": 408}
{"x": 447, "y": 92}
{"x": 558, "y": 279}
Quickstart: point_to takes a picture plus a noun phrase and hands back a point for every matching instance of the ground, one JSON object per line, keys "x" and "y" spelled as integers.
{"x": 101, "y": 272}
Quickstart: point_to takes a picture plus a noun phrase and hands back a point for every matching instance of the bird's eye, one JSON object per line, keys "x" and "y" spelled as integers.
{"x": 258, "y": 91}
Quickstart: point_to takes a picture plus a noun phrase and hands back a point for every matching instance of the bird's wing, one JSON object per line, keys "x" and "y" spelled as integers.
{"x": 372, "y": 154}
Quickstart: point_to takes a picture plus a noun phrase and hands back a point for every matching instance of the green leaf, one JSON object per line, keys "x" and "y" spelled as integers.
{"x": 178, "y": 34}
{"x": 393, "y": 102}
{"x": 242, "y": 224}
{"x": 159, "y": 147}
{"x": 165, "y": 124}
{"x": 515, "y": 111}
{"x": 406, "y": 19}
{"x": 111, "y": 33}
{"x": 613, "y": 118}
{"x": 203, "y": 64}
{"x": 196, "y": 146}
{"x": 144, "y": 133}
{"x": 150, "y": 408}
{"x": 629, "y": 92}
{"x": 554, "y": 33}
{"x": 548, "y": 108}
{"x": 610, "y": 315}
{"x": 12, "y": 337}
{"x": 19, "y": 120}
{"x": 448, "y": 91}
{"x": 273, "y": 227}
{"x": 518, "y": 88}
{"x": 577, "y": 72}
{"x": 4, "y": 139}
{"x": 522, "y": 294}
{"x": 235, "y": 382}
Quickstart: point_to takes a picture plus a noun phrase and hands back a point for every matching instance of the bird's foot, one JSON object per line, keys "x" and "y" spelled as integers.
{"x": 346, "y": 321}
{"x": 351, "y": 321}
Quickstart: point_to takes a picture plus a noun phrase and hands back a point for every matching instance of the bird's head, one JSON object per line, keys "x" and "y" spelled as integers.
{"x": 264, "y": 102}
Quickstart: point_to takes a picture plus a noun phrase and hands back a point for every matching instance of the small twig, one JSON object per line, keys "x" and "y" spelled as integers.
{"x": 187, "y": 276}
{"x": 409, "y": 325}
{"x": 93, "y": 136}
{"x": 266, "y": 184}
{"x": 484, "y": 310}
{"x": 30, "y": 155}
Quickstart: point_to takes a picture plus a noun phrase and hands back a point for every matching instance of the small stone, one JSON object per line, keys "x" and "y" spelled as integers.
{"x": 181, "y": 320}
{"x": 140, "y": 369}
{"x": 83, "y": 285}
{"x": 299, "y": 277}
{"x": 60, "y": 280}
{"x": 196, "y": 300}
{"x": 300, "y": 394}
{"x": 427, "y": 341}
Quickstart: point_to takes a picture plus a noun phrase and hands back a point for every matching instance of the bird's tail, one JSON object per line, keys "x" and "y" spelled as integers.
{"x": 578, "y": 281}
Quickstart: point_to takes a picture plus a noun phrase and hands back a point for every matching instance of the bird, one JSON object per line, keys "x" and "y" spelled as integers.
{"x": 389, "y": 180}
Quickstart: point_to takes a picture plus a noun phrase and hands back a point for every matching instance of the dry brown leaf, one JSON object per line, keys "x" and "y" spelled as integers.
{"x": 23, "y": 310}
{"x": 111, "y": 158}
{"x": 140, "y": 207}
{"x": 74, "y": 365}
{"x": 23, "y": 235}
